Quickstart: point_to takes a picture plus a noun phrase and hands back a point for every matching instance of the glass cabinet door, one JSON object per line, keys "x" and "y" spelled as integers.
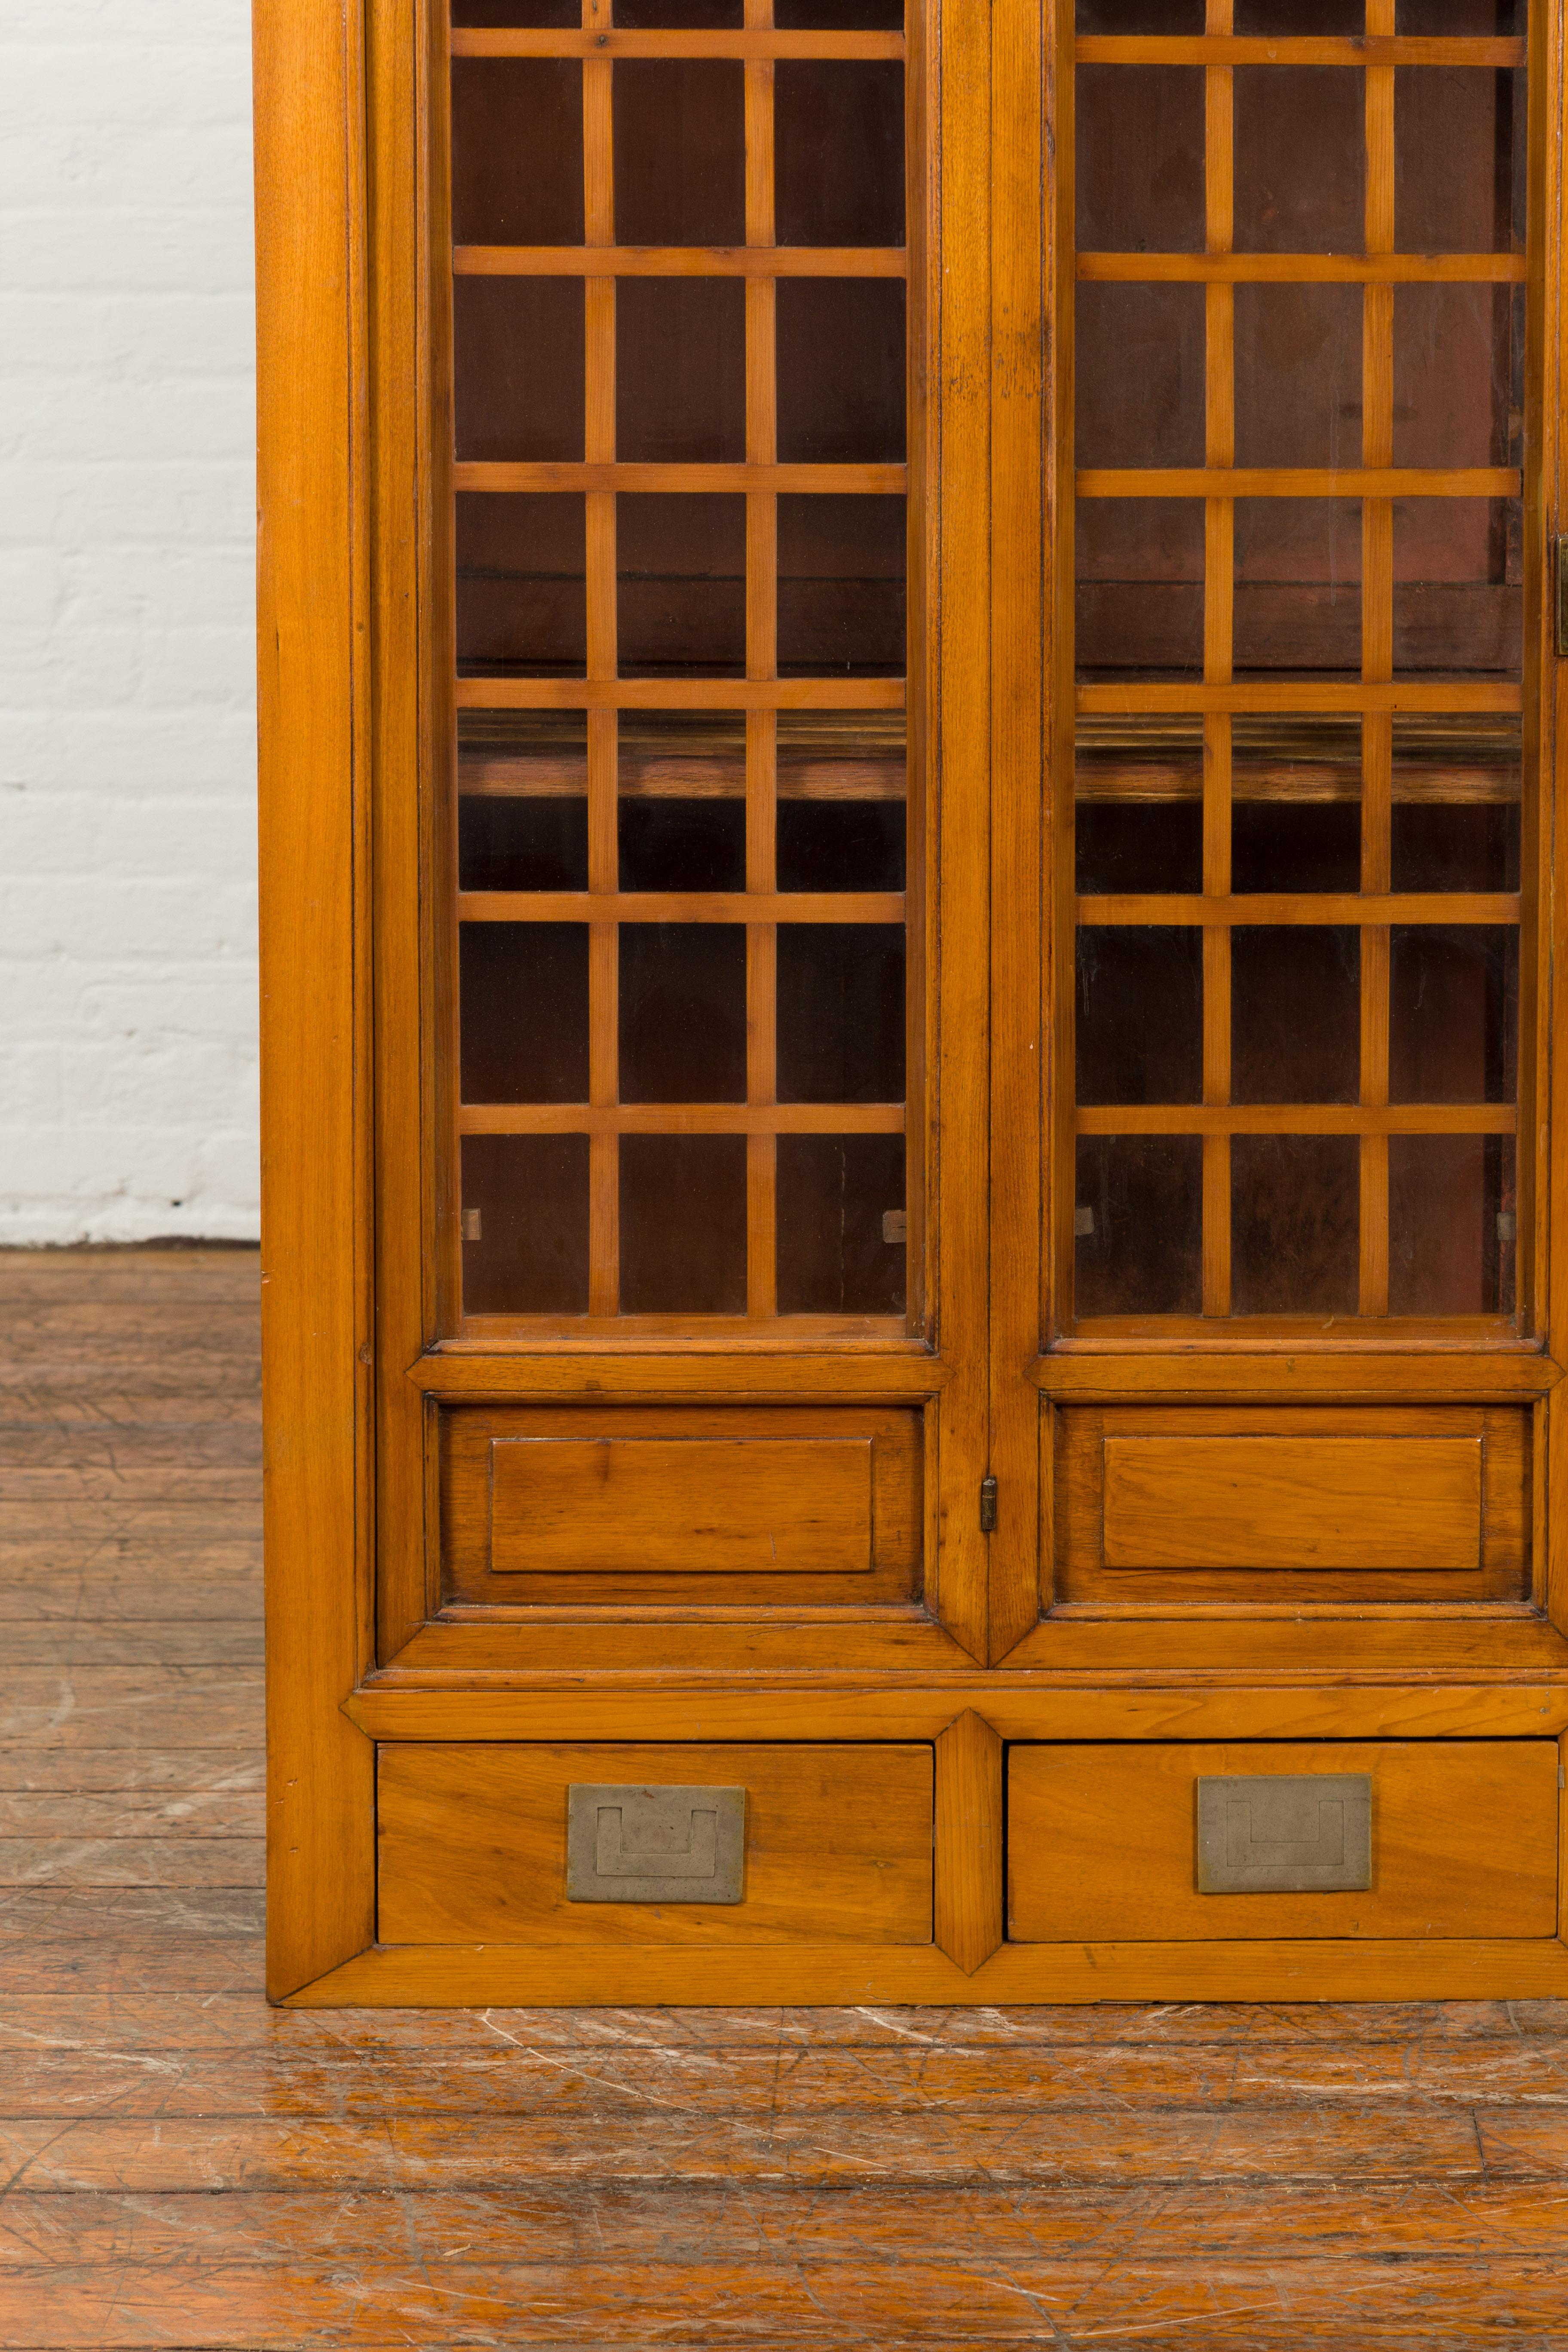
{"x": 681, "y": 359}
{"x": 1295, "y": 826}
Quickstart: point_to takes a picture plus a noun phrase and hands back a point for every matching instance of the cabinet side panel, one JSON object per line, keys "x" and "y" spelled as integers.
{"x": 321, "y": 1856}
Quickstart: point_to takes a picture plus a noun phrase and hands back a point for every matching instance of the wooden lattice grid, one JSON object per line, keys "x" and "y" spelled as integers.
{"x": 1377, "y": 483}
{"x": 604, "y": 695}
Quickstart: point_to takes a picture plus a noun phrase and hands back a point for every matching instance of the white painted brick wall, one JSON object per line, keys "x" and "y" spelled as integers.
{"x": 127, "y": 706}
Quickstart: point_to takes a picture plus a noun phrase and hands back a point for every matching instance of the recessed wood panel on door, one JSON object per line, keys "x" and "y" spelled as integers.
{"x": 1288, "y": 1508}
{"x": 778, "y": 1509}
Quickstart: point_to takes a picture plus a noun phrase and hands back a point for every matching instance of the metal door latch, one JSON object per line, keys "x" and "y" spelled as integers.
{"x": 1559, "y": 594}
{"x": 988, "y": 1507}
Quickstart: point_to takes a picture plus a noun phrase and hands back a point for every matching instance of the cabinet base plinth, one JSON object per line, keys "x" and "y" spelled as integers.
{"x": 418, "y": 1976}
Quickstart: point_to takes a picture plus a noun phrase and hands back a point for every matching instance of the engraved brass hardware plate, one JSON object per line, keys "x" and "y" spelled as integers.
{"x": 1285, "y": 1833}
{"x": 644, "y": 1844}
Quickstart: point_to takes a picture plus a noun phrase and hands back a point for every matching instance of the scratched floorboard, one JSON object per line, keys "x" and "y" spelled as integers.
{"x": 182, "y": 2167}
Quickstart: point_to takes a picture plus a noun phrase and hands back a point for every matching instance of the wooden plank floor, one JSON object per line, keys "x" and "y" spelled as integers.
{"x": 182, "y": 2166}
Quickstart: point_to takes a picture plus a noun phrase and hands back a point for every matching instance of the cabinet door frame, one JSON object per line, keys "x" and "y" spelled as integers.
{"x": 1043, "y": 1368}
{"x": 940, "y": 1365}
{"x": 316, "y": 1228}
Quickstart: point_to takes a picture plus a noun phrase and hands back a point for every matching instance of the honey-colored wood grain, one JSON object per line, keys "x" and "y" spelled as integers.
{"x": 1101, "y": 1843}
{"x": 1300, "y": 268}
{"x": 1292, "y": 1502}
{"x": 1020, "y": 804}
{"x": 969, "y": 1837}
{"x": 1219, "y": 611}
{"x": 1297, "y": 1118}
{"x": 722, "y": 1507}
{"x": 1308, "y": 1970}
{"x": 608, "y": 44}
{"x": 719, "y": 693}
{"x": 1418, "y": 1354}
{"x": 472, "y": 1845}
{"x": 706, "y": 1119}
{"x": 762, "y": 1150}
{"x": 1058, "y": 980}
{"x": 1263, "y": 1356}
{"x": 1509, "y": 1463}
{"x": 310, "y": 590}
{"x": 465, "y": 1371}
{"x": 1277, "y": 907}
{"x": 736, "y": 1637}
{"x": 764, "y": 260}
{"x": 1304, "y": 1701}
{"x": 1272, "y": 49}
{"x": 410, "y": 865}
{"x": 1218, "y": 788}
{"x": 730, "y": 1338}
{"x": 1377, "y": 753}
{"x": 1297, "y": 481}
{"x": 598, "y": 475}
{"x": 1541, "y": 423}
{"x": 762, "y": 1010}
{"x": 604, "y": 997}
{"x": 1326, "y": 696}
{"x": 1544, "y": 1264}
{"x": 951, "y": 702}
{"x": 623, "y": 1506}
{"x": 1199, "y": 1520}
{"x": 1377, "y": 662}
{"x": 611, "y": 907}
{"x": 762, "y": 662}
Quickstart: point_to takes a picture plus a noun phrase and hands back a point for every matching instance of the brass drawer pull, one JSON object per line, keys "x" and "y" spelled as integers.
{"x": 1285, "y": 1833}
{"x": 639, "y": 1844}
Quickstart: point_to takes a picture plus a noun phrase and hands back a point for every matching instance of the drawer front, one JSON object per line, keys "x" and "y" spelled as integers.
{"x": 1282, "y": 1507}
{"x": 1387, "y": 1838}
{"x": 635, "y": 1843}
{"x": 775, "y": 1507}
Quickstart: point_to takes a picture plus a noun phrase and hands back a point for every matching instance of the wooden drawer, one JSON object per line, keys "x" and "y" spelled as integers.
{"x": 1111, "y": 1843}
{"x": 480, "y": 1843}
{"x": 1291, "y": 1505}
{"x": 729, "y": 1508}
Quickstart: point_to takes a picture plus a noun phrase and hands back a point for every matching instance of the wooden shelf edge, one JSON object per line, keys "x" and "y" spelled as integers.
{"x": 461, "y": 1655}
{"x": 898, "y": 1371}
{"x": 1017, "y": 1705}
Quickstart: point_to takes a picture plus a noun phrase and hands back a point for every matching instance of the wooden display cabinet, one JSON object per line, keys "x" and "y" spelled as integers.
{"x": 908, "y": 689}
